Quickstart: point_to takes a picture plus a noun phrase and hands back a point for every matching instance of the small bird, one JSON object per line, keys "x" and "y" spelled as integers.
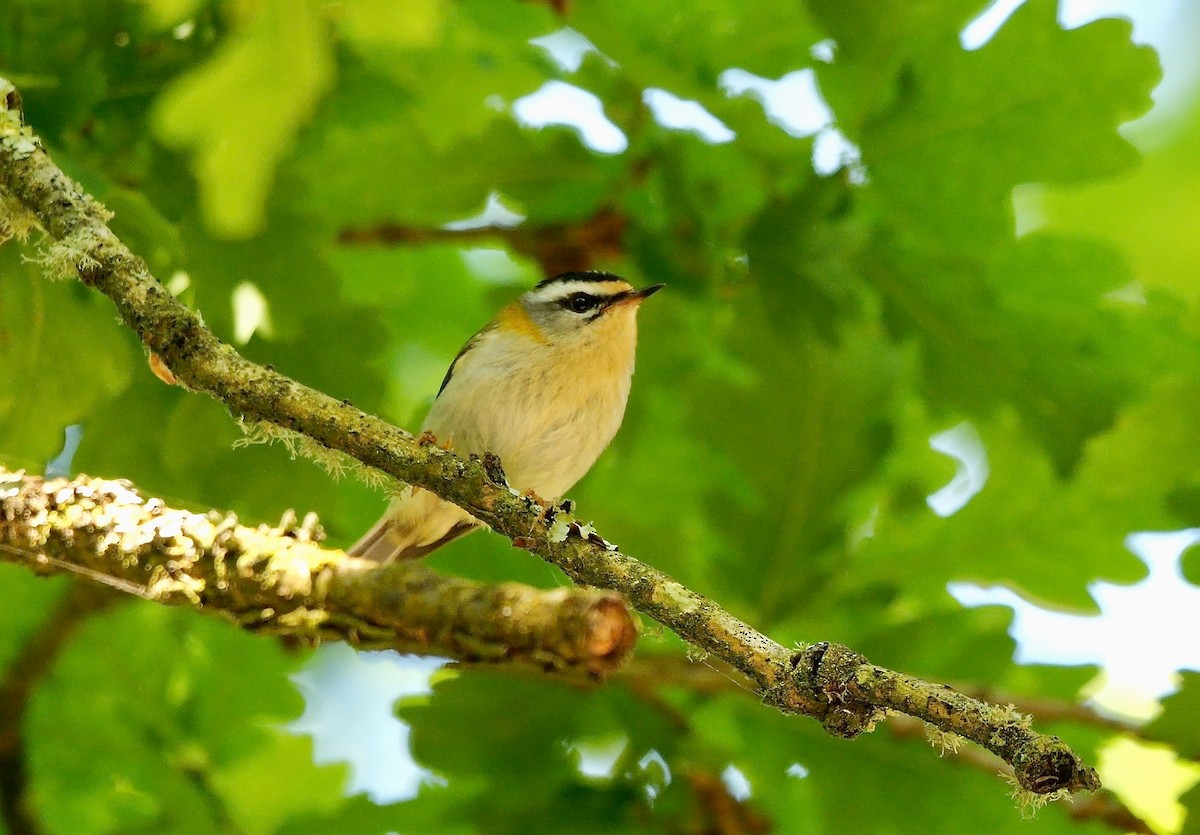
{"x": 543, "y": 386}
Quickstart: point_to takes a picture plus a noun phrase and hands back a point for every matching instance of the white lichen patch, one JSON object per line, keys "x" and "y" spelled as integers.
{"x": 101, "y": 211}
{"x": 165, "y": 586}
{"x": 15, "y": 220}
{"x": 1010, "y": 715}
{"x": 565, "y": 524}
{"x": 945, "y": 741}
{"x": 289, "y": 571}
{"x": 560, "y": 527}
{"x": 675, "y": 596}
{"x": 18, "y": 140}
{"x": 1030, "y": 803}
{"x": 66, "y": 258}
{"x": 304, "y": 620}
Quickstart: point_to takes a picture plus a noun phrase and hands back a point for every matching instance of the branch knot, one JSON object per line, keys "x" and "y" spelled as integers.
{"x": 829, "y": 670}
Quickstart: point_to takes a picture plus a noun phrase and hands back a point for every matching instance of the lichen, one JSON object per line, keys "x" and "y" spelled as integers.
{"x": 303, "y": 620}
{"x": 945, "y": 741}
{"x": 1030, "y": 803}
{"x": 336, "y": 464}
{"x": 66, "y": 258}
{"x": 1010, "y": 715}
{"x": 15, "y": 220}
{"x": 17, "y": 140}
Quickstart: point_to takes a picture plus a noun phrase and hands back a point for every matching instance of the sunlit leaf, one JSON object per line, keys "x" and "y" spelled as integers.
{"x": 237, "y": 113}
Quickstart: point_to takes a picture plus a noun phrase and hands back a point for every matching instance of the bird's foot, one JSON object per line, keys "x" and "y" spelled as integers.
{"x": 547, "y": 508}
{"x": 427, "y": 438}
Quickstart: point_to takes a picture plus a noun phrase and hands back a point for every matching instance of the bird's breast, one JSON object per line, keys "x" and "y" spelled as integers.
{"x": 548, "y": 413}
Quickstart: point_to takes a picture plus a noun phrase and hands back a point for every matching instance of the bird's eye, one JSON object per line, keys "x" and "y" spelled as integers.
{"x": 580, "y": 302}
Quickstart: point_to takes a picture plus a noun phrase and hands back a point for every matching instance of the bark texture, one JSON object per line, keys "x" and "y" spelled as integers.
{"x": 281, "y": 581}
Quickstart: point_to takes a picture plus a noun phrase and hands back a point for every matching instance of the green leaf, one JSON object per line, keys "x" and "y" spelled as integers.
{"x": 139, "y": 726}
{"x": 370, "y": 25}
{"x": 546, "y": 174}
{"x": 61, "y": 357}
{"x": 874, "y": 48}
{"x": 238, "y": 113}
{"x": 25, "y": 602}
{"x": 661, "y": 44}
{"x": 1136, "y": 211}
{"x": 813, "y": 278}
{"x": 429, "y": 813}
{"x": 1028, "y": 529}
{"x": 528, "y": 760}
{"x": 278, "y": 782}
{"x": 1033, "y": 328}
{"x": 468, "y": 78}
{"x": 783, "y": 545}
{"x": 1035, "y": 104}
{"x": 1176, "y": 725}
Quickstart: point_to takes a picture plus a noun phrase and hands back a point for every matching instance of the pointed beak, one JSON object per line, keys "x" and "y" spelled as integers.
{"x": 635, "y": 297}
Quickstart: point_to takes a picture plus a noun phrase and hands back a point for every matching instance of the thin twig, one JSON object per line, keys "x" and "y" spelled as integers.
{"x": 645, "y": 675}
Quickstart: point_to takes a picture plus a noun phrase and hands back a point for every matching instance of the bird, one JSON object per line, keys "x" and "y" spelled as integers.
{"x": 543, "y": 386}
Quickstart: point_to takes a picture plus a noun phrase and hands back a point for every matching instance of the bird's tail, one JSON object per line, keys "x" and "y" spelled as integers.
{"x": 416, "y": 524}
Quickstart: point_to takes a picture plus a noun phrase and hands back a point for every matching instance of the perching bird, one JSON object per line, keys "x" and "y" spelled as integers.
{"x": 543, "y": 386}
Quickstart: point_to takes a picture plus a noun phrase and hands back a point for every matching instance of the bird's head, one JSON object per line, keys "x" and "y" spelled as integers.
{"x": 584, "y": 307}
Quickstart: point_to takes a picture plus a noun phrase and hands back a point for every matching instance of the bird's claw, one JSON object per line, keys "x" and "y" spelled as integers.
{"x": 427, "y": 438}
{"x": 547, "y": 509}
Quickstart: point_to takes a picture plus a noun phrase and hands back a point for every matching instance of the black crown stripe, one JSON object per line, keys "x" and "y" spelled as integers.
{"x": 590, "y": 275}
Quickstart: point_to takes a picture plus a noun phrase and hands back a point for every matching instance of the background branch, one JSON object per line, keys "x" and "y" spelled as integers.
{"x": 843, "y": 690}
{"x": 278, "y": 580}
{"x": 558, "y": 248}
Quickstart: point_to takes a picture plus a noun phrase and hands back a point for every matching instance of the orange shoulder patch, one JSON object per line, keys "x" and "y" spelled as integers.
{"x": 513, "y": 318}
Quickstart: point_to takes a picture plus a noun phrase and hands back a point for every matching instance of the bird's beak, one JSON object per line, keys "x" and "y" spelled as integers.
{"x": 636, "y": 297}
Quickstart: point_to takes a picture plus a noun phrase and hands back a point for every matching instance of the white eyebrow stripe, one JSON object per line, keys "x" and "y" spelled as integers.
{"x": 600, "y": 289}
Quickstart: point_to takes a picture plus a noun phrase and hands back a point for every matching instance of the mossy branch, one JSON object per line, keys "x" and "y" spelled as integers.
{"x": 831, "y": 683}
{"x": 281, "y": 581}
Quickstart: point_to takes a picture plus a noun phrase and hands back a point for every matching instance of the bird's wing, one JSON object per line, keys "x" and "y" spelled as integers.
{"x": 385, "y": 542}
{"x": 462, "y": 353}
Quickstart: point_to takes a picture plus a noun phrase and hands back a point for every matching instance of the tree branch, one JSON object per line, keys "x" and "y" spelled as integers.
{"x": 278, "y": 580}
{"x": 645, "y": 675}
{"x": 829, "y": 682}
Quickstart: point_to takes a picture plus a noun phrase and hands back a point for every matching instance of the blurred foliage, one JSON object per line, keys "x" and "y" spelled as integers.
{"x": 818, "y": 330}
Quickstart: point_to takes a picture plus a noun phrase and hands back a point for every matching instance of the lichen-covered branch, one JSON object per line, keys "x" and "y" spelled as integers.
{"x": 1102, "y": 807}
{"x": 280, "y": 580}
{"x": 840, "y": 688}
